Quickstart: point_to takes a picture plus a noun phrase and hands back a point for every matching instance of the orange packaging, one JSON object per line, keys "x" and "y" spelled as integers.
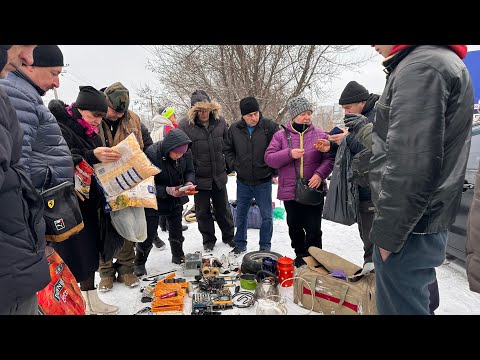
{"x": 62, "y": 295}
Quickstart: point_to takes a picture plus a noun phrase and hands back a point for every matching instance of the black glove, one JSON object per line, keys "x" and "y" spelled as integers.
{"x": 355, "y": 122}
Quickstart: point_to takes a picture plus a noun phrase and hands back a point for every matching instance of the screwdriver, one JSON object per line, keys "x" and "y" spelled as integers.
{"x": 168, "y": 295}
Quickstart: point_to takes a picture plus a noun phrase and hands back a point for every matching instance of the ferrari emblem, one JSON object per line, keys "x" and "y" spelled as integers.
{"x": 51, "y": 203}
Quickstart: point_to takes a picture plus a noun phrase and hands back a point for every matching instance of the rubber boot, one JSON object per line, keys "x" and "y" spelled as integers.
{"x": 95, "y": 306}
{"x": 141, "y": 257}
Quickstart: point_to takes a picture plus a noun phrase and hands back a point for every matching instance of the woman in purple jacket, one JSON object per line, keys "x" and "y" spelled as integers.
{"x": 304, "y": 221}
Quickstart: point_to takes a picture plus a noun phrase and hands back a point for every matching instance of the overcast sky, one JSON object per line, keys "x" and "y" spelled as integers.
{"x": 102, "y": 65}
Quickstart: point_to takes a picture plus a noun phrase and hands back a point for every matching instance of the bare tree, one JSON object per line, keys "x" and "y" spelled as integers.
{"x": 271, "y": 73}
{"x": 327, "y": 117}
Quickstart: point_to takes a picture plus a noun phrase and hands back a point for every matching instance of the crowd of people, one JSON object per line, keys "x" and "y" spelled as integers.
{"x": 416, "y": 135}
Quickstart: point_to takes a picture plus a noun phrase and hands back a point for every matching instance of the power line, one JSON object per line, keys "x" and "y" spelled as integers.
{"x": 150, "y": 51}
{"x": 84, "y": 78}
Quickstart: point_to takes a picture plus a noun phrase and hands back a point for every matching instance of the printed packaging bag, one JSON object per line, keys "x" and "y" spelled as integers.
{"x": 143, "y": 195}
{"x": 131, "y": 169}
{"x": 83, "y": 178}
{"x": 62, "y": 295}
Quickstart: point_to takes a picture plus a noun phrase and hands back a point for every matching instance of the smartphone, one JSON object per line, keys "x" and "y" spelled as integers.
{"x": 335, "y": 130}
{"x": 186, "y": 187}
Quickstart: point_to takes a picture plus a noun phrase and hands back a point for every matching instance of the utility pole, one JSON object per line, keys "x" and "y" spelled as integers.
{"x": 151, "y": 104}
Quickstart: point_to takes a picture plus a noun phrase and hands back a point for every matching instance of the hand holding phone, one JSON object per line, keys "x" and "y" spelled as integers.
{"x": 186, "y": 187}
{"x": 335, "y": 130}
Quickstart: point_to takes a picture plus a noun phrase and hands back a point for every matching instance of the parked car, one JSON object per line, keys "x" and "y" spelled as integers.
{"x": 457, "y": 233}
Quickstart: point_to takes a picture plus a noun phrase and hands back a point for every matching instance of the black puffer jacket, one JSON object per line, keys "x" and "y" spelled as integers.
{"x": 23, "y": 267}
{"x": 174, "y": 172}
{"x": 207, "y": 146}
{"x": 245, "y": 153}
{"x": 421, "y": 139}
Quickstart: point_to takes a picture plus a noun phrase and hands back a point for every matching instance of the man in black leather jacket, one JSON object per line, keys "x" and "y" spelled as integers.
{"x": 420, "y": 144}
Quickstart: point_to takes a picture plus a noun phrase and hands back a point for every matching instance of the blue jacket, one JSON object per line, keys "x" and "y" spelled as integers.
{"x": 45, "y": 155}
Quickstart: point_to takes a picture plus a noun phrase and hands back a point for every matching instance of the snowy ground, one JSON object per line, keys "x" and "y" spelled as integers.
{"x": 455, "y": 296}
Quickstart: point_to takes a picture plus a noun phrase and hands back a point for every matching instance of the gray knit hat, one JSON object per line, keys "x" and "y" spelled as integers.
{"x": 298, "y": 105}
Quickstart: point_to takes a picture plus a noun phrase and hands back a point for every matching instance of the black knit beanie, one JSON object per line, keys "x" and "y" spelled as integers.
{"x": 353, "y": 93}
{"x": 249, "y": 105}
{"x": 47, "y": 56}
{"x": 199, "y": 95}
{"x": 91, "y": 99}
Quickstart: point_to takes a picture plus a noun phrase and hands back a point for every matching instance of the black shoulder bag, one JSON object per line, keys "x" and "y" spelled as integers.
{"x": 303, "y": 193}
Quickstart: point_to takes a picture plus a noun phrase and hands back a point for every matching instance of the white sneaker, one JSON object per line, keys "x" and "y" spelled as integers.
{"x": 233, "y": 264}
{"x": 224, "y": 269}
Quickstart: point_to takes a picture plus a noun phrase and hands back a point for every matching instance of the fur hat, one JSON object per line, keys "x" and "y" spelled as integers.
{"x": 118, "y": 97}
{"x": 249, "y": 105}
{"x": 199, "y": 95}
{"x": 91, "y": 99}
{"x": 353, "y": 93}
{"x": 298, "y": 105}
{"x": 47, "y": 56}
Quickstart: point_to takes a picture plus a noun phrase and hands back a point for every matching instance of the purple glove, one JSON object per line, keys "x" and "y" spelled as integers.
{"x": 173, "y": 191}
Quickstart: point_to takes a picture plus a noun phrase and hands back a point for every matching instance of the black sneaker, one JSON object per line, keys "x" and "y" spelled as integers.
{"x": 208, "y": 247}
{"x": 237, "y": 251}
{"x": 178, "y": 259}
{"x": 139, "y": 270}
{"x": 230, "y": 243}
{"x": 299, "y": 261}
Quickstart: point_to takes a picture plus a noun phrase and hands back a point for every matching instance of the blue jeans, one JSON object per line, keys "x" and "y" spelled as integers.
{"x": 404, "y": 280}
{"x": 263, "y": 197}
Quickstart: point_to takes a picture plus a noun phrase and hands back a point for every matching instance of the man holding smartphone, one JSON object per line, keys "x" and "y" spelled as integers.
{"x": 356, "y": 99}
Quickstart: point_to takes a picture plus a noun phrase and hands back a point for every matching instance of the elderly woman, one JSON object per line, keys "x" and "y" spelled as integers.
{"x": 300, "y": 158}
{"x": 79, "y": 124}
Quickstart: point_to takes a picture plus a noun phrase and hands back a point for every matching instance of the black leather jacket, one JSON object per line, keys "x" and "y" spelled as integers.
{"x": 421, "y": 139}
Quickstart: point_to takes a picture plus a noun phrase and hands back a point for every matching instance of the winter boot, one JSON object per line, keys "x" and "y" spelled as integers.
{"x": 178, "y": 257}
{"x": 129, "y": 280}
{"x": 159, "y": 243}
{"x": 106, "y": 283}
{"x": 140, "y": 260}
{"x": 95, "y": 306}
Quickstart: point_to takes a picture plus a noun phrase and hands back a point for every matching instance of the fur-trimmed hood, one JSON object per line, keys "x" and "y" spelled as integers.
{"x": 214, "y": 107}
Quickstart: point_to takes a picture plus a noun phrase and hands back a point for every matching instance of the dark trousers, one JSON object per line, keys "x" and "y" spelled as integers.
{"x": 23, "y": 306}
{"x": 174, "y": 232}
{"x": 405, "y": 281}
{"x": 163, "y": 222}
{"x": 365, "y": 219}
{"x": 223, "y": 214}
{"x": 304, "y": 226}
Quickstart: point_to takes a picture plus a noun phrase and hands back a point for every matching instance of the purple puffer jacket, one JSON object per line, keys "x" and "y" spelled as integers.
{"x": 278, "y": 156}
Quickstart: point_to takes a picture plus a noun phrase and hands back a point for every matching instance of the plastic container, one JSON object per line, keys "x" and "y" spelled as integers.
{"x": 285, "y": 268}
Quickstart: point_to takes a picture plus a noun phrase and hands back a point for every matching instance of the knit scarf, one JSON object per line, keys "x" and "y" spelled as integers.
{"x": 89, "y": 129}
